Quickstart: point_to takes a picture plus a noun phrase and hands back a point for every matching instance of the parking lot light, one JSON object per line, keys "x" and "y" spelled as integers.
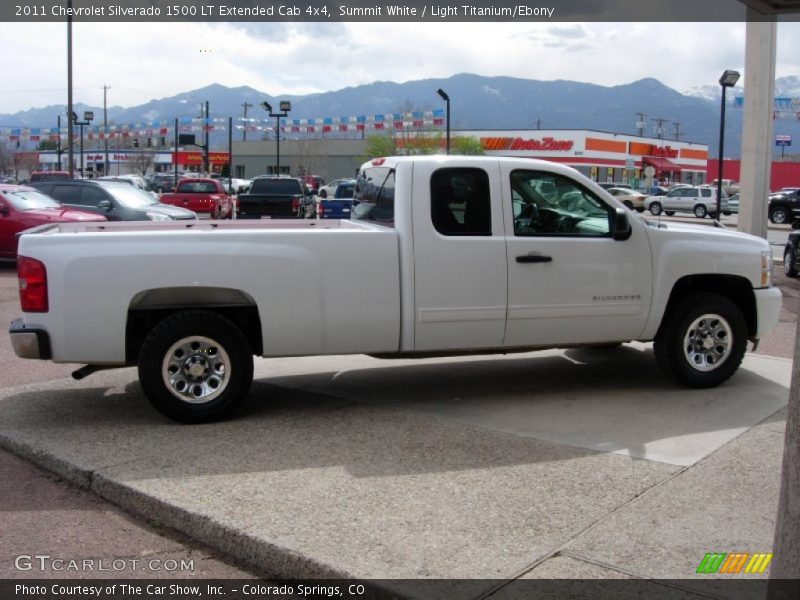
{"x": 446, "y": 99}
{"x": 285, "y": 106}
{"x": 728, "y": 79}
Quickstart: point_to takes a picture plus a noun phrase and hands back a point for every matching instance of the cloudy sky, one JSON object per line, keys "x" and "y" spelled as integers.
{"x": 142, "y": 61}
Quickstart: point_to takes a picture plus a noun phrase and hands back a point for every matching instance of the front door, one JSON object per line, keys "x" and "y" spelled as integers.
{"x": 569, "y": 281}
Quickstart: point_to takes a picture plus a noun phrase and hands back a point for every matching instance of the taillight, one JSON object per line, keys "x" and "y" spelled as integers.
{"x": 295, "y": 205}
{"x": 320, "y": 209}
{"x": 32, "y": 284}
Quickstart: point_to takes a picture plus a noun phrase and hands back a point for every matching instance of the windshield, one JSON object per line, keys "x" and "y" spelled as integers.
{"x": 30, "y": 200}
{"x": 128, "y": 195}
{"x": 282, "y": 186}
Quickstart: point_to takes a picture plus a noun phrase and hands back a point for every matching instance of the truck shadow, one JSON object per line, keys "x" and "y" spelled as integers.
{"x": 425, "y": 417}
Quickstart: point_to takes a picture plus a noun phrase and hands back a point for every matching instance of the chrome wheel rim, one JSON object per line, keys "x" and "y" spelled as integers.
{"x": 196, "y": 369}
{"x": 708, "y": 342}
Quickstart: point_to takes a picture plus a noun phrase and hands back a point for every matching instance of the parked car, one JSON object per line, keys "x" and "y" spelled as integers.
{"x": 701, "y": 201}
{"x": 780, "y": 206}
{"x": 729, "y": 186}
{"x": 115, "y": 201}
{"x": 607, "y": 185}
{"x": 313, "y": 182}
{"x": 49, "y": 176}
{"x": 23, "y": 207}
{"x": 162, "y": 182}
{"x": 277, "y": 198}
{"x": 330, "y": 189}
{"x": 791, "y": 255}
{"x": 631, "y": 198}
{"x": 733, "y": 205}
{"x": 340, "y": 204}
{"x": 202, "y": 195}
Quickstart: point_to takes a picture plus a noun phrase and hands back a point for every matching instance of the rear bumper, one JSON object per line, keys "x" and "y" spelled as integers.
{"x": 29, "y": 342}
{"x": 768, "y": 310}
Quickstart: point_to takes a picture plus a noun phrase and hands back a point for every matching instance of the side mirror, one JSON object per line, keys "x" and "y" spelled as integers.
{"x": 104, "y": 204}
{"x": 621, "y": 227}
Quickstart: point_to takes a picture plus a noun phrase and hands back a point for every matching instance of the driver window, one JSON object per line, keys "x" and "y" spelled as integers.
{"x": 551, "y": 204}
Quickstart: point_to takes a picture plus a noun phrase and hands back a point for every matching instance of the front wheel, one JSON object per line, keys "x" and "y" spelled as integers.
{"x": 195, "y": 366}
{"x": 702, "y": 341}
{"x": 779, "y": 215}
{"x": 655, "y": 208}
{"x": 789, "y": 258}
{"x": 669, "y": 213}
{"x": 700, "y": 211}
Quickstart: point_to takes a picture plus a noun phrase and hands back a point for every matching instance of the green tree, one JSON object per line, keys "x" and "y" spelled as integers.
{"x": 380, "y": 145}
{"x": 47, "y": 145}
{"x": 466, "y": 145}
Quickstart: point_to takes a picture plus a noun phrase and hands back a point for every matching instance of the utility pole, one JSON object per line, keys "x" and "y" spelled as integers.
{"x": 246, "y": 105}
{"x": 106, "y": 164}
{"x": 205, "y": 141}
{"x": 677, "y": 127}
{"x": 659, "y": 129}
{"x": 70, "y": 113}
{"x": 640, "y": 123}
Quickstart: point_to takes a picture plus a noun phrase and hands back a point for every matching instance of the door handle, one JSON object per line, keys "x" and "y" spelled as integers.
{"x": 534, "y": 258}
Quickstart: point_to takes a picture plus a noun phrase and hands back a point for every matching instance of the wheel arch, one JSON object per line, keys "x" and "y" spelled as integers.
{"x": 737, "y": 289}
{"x": 149, "y": 307}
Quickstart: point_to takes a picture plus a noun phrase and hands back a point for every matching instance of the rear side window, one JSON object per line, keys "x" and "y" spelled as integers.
{"x": 460, "y": 203}
{"x": 68, "y": 194}
{"x": 92, "y": 196}
{"x": 374, "y": 196}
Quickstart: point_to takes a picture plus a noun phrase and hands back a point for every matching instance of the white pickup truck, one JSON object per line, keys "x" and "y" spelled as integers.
{"x": 443, "y": 256}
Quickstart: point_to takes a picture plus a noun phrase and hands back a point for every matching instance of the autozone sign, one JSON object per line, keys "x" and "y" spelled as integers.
{"x": 545, "y": 144}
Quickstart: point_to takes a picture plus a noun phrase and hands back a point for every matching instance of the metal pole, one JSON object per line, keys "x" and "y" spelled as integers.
{"x": 70, "y": 155}
{"x": 81, "y": 129}
{"x": 230, "y": 153}
{"x": 106, "y": 164}
{"x": 205, "y": 146}
{"x": 278, "y": 145}
{"x": 175, "y": 156}
{"x": 721, "y": 146}
{"x": 448, "y": 124}
{"x": 59, "y": 143}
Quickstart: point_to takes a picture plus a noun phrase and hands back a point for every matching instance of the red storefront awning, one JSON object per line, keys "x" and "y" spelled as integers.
{"x": 661, "y": 164}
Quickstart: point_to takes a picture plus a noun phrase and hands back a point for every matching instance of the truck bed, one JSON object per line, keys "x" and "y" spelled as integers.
{"x": 199, "y": 225}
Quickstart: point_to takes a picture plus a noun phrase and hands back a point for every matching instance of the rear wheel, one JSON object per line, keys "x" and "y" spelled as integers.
{"x": 702, "y": 341}
{"x": 669, "y": 213}
{"x": 195, "y": 366}
{"x": 655, "y": 208}
{"x": 700, "y": 211}
{"x": 789, "y": 259}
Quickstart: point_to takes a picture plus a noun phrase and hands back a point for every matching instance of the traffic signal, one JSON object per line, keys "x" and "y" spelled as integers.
{"x": 135, "y": 142}
{"x": 149, "y": 142}
{"x": 162, "y": 141}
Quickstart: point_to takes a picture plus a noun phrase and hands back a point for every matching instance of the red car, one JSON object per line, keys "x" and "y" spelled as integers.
{"x": 23, "y": 207}
{"x": 202, "y": 196}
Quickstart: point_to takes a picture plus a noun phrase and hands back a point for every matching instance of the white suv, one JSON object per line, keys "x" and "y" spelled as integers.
{"x": 701, "y": 201}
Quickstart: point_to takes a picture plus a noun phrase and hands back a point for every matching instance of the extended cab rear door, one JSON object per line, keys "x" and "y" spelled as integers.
{"x": 460, "y": 292}
{"x": 569, "y": 281}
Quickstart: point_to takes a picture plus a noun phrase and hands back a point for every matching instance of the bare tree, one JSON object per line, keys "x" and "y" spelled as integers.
{"x": 25, "y": 162}
{"x": 6, "y": 161}
{"x": 141, "y": 161}
{"x": 308, "y": 156}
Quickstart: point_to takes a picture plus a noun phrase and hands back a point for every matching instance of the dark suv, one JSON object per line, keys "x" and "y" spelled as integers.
{"x": 782, "y": 206}
{"x": 115, "y": 201}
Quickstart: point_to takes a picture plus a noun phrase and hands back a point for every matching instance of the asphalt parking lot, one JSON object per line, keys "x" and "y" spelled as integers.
{"x": 577, "y": 464}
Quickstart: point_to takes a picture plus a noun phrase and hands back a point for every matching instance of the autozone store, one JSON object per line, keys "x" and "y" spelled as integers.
{"x": 602, "y": 156}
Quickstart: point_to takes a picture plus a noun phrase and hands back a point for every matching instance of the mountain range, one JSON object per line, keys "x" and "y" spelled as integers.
{"x": 477, "y": 102}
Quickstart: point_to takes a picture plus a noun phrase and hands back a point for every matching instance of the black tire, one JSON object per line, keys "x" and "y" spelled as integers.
{"x": 789, "y": 259}
{"x": 628, "y": 204}
{"x": 669, "y": 213}
{"x": 195, "y": 366}
{"x": 700, "y": 211}
{"x": 700, "y": 319}
{"x": 655, "y": 208}
{"x": 640, "y": 209}
{"x": 779, "y": 215}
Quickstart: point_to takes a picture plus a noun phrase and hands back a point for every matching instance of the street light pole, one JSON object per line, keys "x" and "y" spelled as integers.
{"x": 285, "y": 106}
{"x": 728, "y": 79}
{"x": 446, "y": 99}
{"x": 87, "y": 119}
